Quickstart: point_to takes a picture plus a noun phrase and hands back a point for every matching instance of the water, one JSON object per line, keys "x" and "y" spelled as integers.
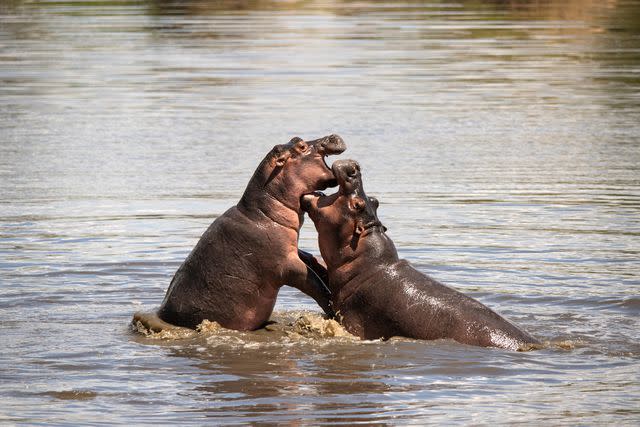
{"x": 500, "y": 137}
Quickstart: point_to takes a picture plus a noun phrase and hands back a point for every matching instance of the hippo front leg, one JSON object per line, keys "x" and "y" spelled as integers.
{"x": 317, "y": 266}
{"x": 309, "y": 281}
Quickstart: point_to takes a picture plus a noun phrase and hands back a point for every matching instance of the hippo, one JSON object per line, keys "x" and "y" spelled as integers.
{"x": 233, "y": 274}
{"x": 376, "y": 294}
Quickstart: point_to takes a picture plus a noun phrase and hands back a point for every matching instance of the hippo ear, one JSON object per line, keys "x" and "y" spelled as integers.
{"x": 359, "y": 228}
{"x": 374, "y": 202}
{"x": 295, "y": 139}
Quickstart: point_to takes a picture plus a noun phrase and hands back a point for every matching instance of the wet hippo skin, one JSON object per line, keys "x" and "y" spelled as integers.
{"x": 378, "y": 295}
{"x": 233, "y": 274}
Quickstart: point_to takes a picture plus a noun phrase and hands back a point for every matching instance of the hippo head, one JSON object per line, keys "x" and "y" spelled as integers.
{"x": 299, "y": 167}
{"x": 345, "y": 218}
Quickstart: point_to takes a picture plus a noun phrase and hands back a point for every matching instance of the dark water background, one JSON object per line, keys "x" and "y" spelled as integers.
{"x": 502, "y": 138}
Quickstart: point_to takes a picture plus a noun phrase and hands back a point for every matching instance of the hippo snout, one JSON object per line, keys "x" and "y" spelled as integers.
{"x": 347, "y": 174}
{"x": 346, "y": 167}
{"x": 331, "y": 144}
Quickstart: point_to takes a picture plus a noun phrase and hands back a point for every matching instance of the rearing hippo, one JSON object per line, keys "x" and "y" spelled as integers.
{"x": 233, "y": 274}
{"x": 379, "y": 295}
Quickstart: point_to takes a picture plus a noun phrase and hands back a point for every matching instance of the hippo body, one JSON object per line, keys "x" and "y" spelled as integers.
{"x": 233, "y": 274}
{"x": 227, "y": 278}
{"x": 379, "y": 295}
{"x": 398, "y": 300}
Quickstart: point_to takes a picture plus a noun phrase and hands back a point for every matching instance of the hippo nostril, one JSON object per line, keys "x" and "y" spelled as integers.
{"x": 336, "y": 140}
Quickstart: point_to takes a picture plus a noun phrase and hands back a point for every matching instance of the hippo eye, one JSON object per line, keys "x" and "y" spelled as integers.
{"x": 352, "y": 172}
{"x": 358, "y": 204}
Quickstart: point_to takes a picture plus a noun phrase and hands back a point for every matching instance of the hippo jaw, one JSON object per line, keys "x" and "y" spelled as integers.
{"x": 328, "y": 146}
{"x": 349, "y": 179}
{"x": 346, "y": 175}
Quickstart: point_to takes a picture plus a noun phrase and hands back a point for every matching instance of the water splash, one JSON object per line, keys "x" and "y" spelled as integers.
{"x": 287, "y": 326}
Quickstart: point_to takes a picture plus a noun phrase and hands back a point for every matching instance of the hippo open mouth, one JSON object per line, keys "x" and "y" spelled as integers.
{"x": 328, "y": 146}
{"x": 346, "y": 176}
{"x": 324, "y": 159}
{"x": 350, "y": 199}
{"x": 332, "y": 182}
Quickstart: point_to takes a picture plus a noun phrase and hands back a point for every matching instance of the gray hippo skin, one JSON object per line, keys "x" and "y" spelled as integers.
{"x": 234, "y": 273}
{"x": 379, "y": 295}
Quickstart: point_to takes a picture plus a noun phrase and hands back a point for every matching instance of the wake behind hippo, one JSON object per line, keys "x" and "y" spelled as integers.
{"x": 233, "y": 274}
{"x": 379, "y": 295}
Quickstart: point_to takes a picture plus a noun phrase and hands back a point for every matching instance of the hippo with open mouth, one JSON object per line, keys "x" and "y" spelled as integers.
{"x": 379, "y": 295}
{"x": 233, "y": 274}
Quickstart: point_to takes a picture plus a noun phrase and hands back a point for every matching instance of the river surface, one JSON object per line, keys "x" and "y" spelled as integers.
{"x": 502, "y": 139}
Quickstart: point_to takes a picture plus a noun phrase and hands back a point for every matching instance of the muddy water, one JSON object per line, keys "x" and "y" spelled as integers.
{"x": 501, "y": 138}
